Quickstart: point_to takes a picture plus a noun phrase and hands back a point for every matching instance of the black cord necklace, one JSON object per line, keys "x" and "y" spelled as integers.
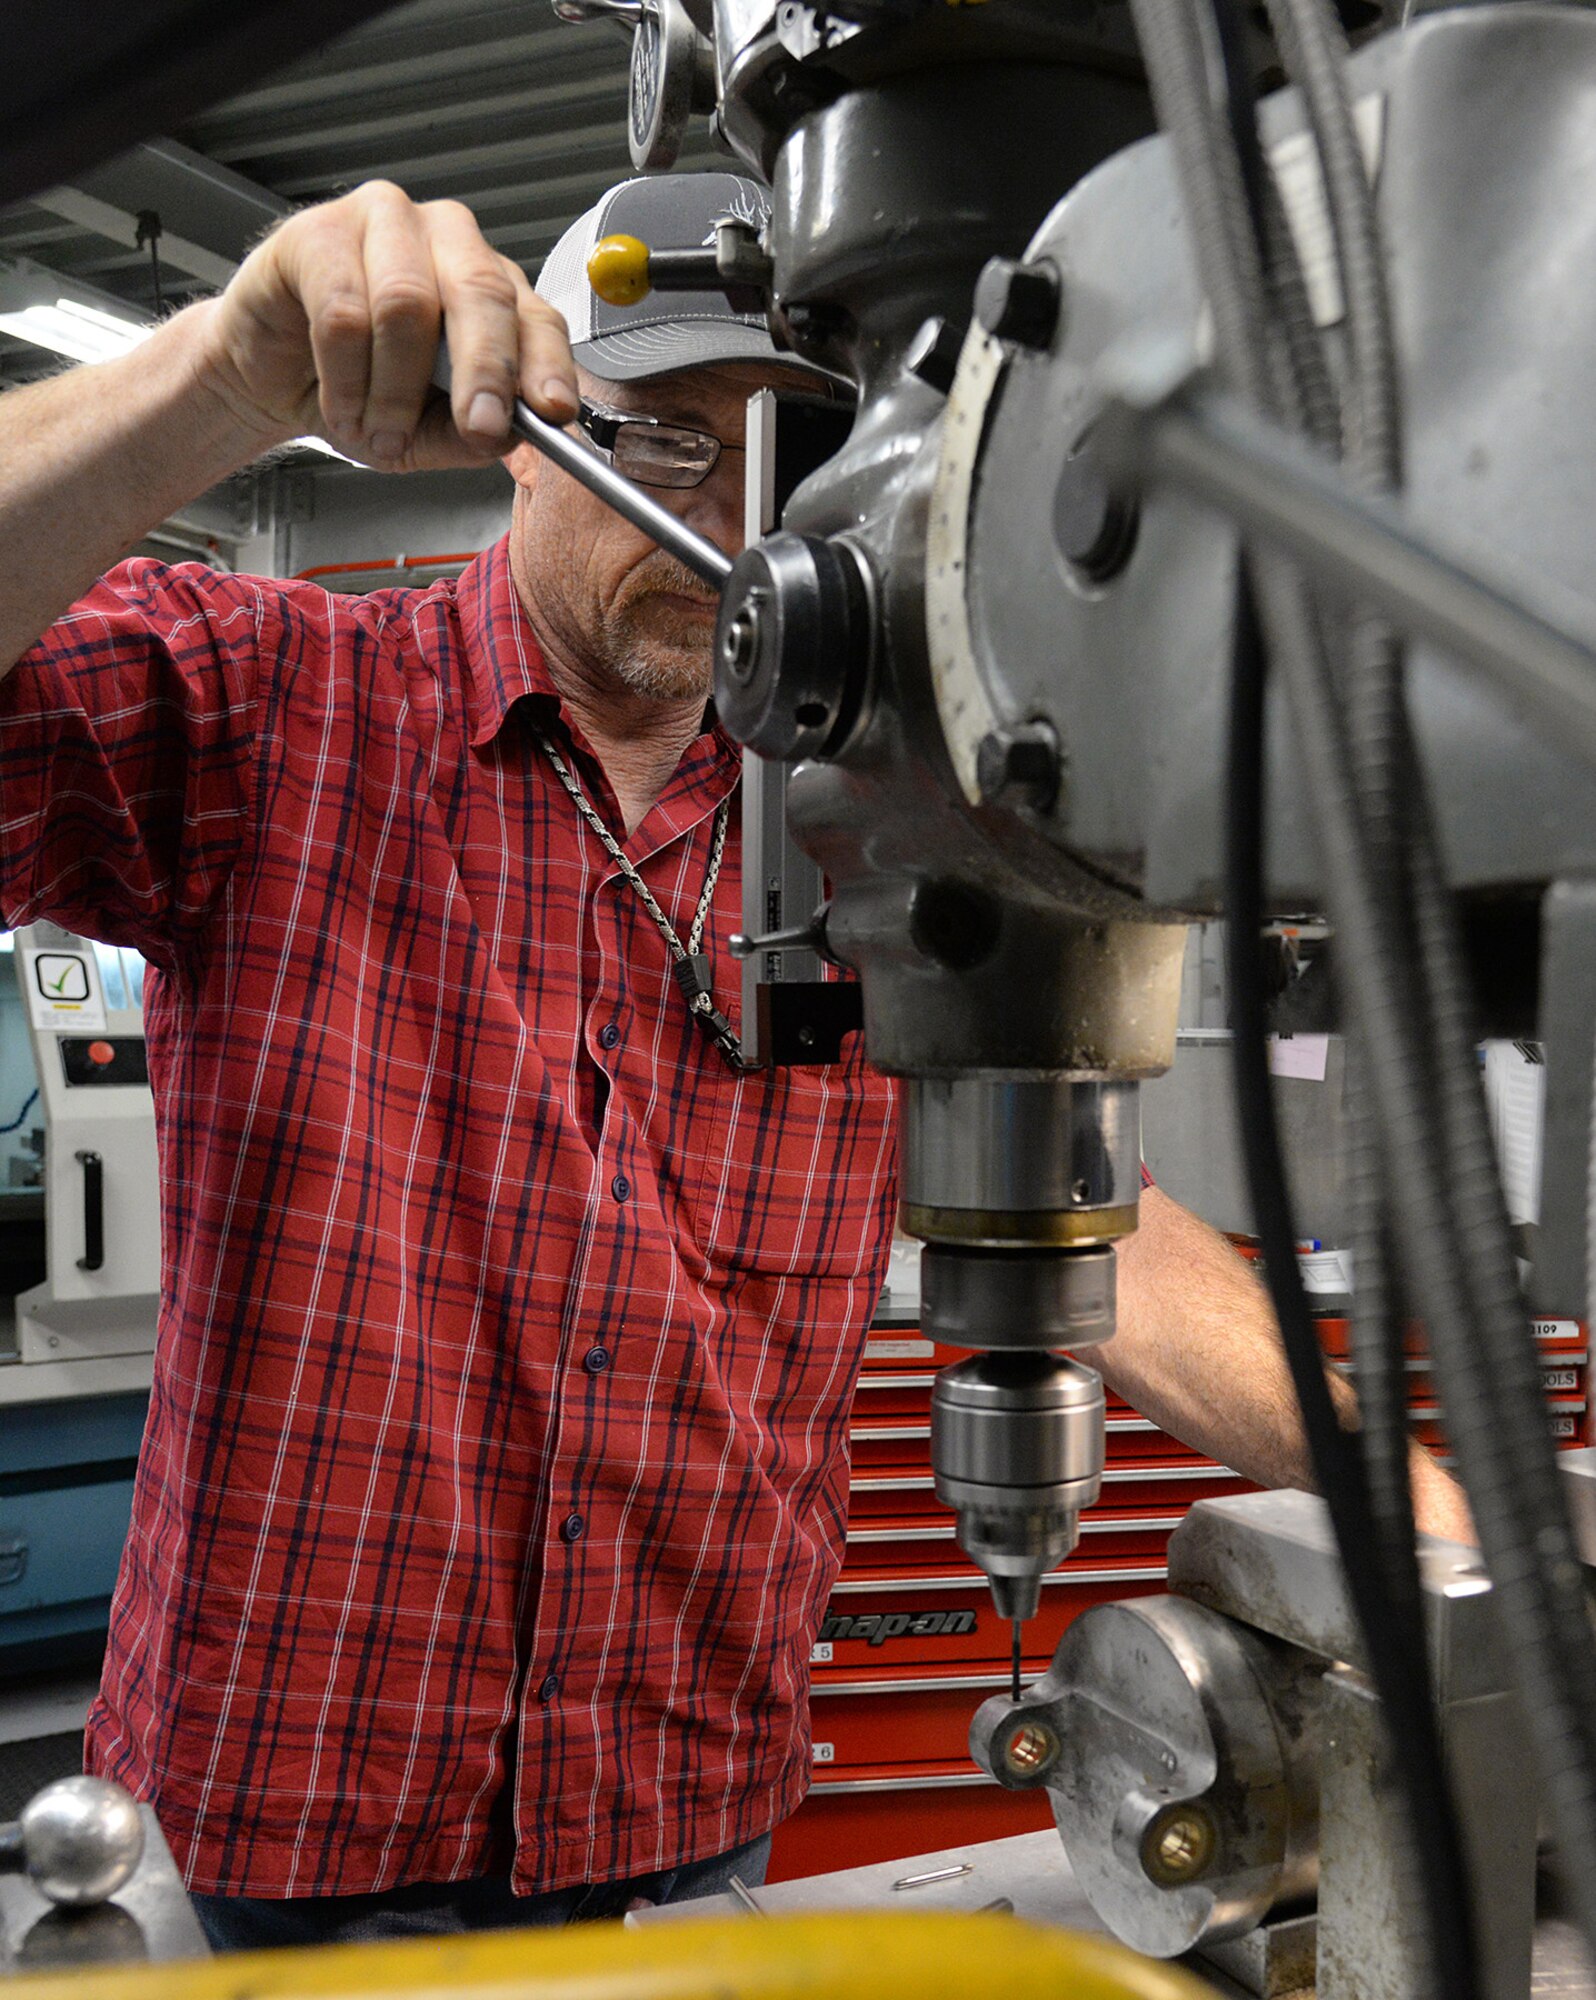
{"x": 690, "y": 964}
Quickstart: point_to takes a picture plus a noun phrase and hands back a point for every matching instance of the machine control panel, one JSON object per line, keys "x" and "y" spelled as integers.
{"x": 99, "y": 1059}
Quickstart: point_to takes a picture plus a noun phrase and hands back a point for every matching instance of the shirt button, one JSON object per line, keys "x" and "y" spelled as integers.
{"x": 609, "y": 1035}
{"x": 548, "y": 1687}
{"x": 571, "y": 1528}
{"x": 596, "y": 1360}
{"x": 620, "y": 1187}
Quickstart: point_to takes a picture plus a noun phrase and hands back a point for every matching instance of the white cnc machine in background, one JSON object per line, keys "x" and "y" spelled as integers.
{"x": 89, "y": 1328}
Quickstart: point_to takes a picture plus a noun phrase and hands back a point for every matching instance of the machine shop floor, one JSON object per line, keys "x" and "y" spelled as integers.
{"x": 41, "y": 1732}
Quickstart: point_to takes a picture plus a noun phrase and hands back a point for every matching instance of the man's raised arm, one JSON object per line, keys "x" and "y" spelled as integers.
{"x": 330, "y": 327}
{"x": 1198, "y": 1351}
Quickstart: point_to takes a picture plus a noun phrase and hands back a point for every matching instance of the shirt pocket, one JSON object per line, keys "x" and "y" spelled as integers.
{"x": 790, "y": 1174}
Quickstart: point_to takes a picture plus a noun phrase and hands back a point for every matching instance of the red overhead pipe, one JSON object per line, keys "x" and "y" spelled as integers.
{"x": 383, "y": 562}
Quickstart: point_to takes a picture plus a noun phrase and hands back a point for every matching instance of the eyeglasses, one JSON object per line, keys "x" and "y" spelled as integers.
{"x": 651, "y": 452}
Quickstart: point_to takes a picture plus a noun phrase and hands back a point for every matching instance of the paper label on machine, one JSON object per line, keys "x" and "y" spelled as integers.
{"x": 63, "y": 990}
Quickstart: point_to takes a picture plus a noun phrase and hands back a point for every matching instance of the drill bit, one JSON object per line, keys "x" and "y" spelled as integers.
{"x": 1017, "y": 1629}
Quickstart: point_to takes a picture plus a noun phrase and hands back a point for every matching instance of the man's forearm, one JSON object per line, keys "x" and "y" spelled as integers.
{"x": 1199, "y": 1352}
{"x": 94, "y": 458}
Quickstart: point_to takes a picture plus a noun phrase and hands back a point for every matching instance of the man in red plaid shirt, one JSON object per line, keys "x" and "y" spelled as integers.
{"x": 495, "y": 1474}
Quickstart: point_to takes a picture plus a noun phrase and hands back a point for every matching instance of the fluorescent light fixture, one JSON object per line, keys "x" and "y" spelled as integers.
{"x": 82, "y": 333}
{"x": 52, "y": 311}
{"x": 37, "y": 309}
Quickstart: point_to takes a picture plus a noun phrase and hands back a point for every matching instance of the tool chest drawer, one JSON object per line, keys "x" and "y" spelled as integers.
{"x": 895, "y": 1719}
{"x": 939, "y": 1617}
{"x": 914, "y": 1541}
{"x": 1564, "y": 1414}
{"x": 859, "y": 1818}
{"x": 906, "y": 1395}
{"x": 1170, "y": 1484}
{"x": 1564, "y": 1354}
{"x": 1563, "y": 1373}
{"x": 1553, "y": 1336}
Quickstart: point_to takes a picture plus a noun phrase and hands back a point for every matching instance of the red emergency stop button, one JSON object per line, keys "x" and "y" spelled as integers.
{"x": 101, "y": 1053}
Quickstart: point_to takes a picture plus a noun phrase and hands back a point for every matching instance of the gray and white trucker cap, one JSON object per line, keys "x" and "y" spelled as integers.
{"x": 667, "y": 329}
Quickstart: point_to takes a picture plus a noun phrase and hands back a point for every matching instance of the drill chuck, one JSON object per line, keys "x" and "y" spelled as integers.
{"x": 1017, "y": 1450}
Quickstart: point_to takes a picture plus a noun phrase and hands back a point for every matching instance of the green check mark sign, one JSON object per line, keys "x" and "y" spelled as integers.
{"x": 64, "y": 980}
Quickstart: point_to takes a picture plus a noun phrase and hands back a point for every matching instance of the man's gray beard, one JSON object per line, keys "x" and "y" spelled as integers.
{"x": 660, "y": 653}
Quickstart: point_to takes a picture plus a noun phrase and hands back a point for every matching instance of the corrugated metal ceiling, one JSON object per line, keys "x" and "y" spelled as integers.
{"x": 494, "y": 102}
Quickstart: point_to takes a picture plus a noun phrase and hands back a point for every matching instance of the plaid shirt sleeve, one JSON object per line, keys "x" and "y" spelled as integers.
{"x": 126, "y": 750}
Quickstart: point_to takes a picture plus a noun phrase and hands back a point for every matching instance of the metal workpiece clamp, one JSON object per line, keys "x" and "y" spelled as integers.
{"x": 1181, "y": 1753}
{"x": 1017, "y": 1452}
{"x": 1216, "y": 1758}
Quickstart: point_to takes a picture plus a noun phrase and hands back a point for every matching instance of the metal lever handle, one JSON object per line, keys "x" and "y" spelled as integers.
{"x": 93, "y": 1212}
{"x": 627, "y": 12}
{"x": 630, "y": 501}
{"x": 623, "y": 270}
{"x": 802, "y": 937}
{"x": 78, "y": 1841}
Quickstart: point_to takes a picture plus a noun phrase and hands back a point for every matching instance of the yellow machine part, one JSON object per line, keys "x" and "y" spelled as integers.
{"x": 869, "y": 1956}
{"x": 617, "y": 269}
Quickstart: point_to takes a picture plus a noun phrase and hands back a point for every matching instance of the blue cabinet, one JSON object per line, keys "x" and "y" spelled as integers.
{"x": 66, "y": 1488}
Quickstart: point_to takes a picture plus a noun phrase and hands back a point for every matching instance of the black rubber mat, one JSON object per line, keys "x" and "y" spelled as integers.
{"x": 24, "y": 1767}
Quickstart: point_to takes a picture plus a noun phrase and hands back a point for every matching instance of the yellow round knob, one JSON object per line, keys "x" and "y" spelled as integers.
{"x": 618, "y": 270}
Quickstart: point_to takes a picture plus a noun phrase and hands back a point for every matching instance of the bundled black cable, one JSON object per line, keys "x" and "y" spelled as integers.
{"x": 1370, "y": 447}
{"x": 1391, "y": 1620}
